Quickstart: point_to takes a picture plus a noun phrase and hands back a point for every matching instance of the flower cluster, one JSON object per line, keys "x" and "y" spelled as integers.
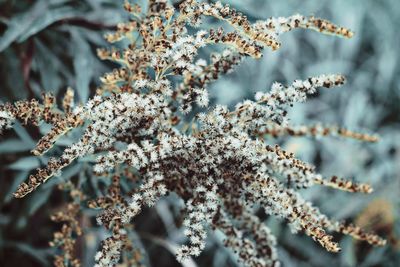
{"x": 220, "y": 163}
{"x": 70, "y": 230}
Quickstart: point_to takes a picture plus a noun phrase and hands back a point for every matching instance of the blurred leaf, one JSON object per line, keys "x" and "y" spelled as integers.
{"x": 82, "y": 64}
{"x": 40, "y": 16}
{"x": 23, "y": 134}
{"x": 14, "y": 145}
{"x": 167, "y": 218}
{"x": 48, "y": 65}
{"x": 50, "y": 16}
{"x": 65, "y": 141}
{"x": 139, "y": 245}
{"x": 12, "y": 75}
{"x": 38, "y": 254}
{"x": 348, "y": 254}
{"x": 4, "y": 220}
{"x": 374, "y": 257}
{"x": 21, "y": 23}
{"x": 38, "y": 199}
{"x": 71, "y": 171}
{"x": 27, "y": 163}
{"x": 171, "y": 247}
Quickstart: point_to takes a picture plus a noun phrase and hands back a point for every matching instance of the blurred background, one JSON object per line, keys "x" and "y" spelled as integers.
{"x": 48, "y": 45}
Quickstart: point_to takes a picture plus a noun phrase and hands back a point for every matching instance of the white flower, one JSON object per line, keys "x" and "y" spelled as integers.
{"x": 140, "y": 84}
{"x": 98, "y": 168}
{"x": 202, "y": 98}
{"x": 298, "y": 83}
{"x": 78, "y": 110}
{"x": 218, "y": 4}
{"x": 181, "y": 64}
{"x": 98, "y": 256}
{"x": 259, "y": 96}
{"x": 276, "y": 86}
{"x": 201, "y": 62}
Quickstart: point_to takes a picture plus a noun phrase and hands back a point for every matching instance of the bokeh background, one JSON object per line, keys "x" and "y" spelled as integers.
{"x": 48, "y": 45}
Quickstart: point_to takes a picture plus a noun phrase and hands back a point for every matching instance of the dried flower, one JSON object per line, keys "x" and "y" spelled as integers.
{"x": 223, "y": 165}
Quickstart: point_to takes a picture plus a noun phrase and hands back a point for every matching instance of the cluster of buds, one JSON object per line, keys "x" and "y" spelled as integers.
{"x": 71, "y": 229}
